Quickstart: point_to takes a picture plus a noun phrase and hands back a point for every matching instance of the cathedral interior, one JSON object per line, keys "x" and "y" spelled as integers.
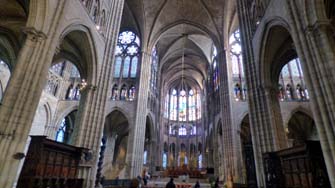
{"x": 94, "y": 93}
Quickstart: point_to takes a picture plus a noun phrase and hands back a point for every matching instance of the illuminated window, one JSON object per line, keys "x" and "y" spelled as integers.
{"x": 200, "y": 161}
{"x": 154, "y": 66}
{"x": 182, "y": 131}
{"x": 164, "y": 160}
{"x": 237, "y": 66}
{"x": 183, "y": 105}
{"x": 215, "y": 68}
{"x": 127, "y": 54}
{"x": 145, "y": 155}
{"x": 291, "y": 86}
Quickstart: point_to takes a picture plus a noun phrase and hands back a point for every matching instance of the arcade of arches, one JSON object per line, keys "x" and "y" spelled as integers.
{"x": 204, "y": 87}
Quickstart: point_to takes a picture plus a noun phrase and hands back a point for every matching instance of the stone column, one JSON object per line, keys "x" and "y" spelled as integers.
{"x": 266, "y": 129}
{"x": 21, "y": 100}
{"x": 315, "y": 47}
{"x": 137, "y": 134}
{"x": 91, "y": 115}
{"x": 228, "y": 130}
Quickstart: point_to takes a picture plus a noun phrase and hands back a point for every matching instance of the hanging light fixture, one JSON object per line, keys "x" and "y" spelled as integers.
{"x": 182, "y": 113}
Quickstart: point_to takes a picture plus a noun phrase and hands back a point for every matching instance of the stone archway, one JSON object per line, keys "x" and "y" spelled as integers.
{"x": 149, "y": 157}
{"x": 248, "y": 153}
{"x": 301, "y": 127}
{"x": 115, "y": 141}
{"x": 65, "y": 128}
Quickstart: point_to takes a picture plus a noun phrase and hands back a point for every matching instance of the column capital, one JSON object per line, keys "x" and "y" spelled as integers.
{"x": 89, "y": 87}
{"x": 314, "y": 27}
{"x": 34, "y": 35}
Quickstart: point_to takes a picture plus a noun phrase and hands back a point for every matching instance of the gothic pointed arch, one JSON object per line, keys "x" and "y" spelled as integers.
{"x": 77, "y": 45}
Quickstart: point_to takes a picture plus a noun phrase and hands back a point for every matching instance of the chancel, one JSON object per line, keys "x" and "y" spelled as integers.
{"x": 133, "y": 93}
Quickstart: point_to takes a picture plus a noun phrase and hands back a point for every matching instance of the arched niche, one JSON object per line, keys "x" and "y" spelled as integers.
{"x": 4, "y": 77}
{"x": 249, "y": 171}
{"x": 301, "y": 127}
{"x": 115, "y": 136}
{"x": 65, "y": 128}
{"x": 41, "y": 120}
{"x": 148, "y": 143}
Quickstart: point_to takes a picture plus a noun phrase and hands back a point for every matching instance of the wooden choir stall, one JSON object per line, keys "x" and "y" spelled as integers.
{"x": 51, "y": 164}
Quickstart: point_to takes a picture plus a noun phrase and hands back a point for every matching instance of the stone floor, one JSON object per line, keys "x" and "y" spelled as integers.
{"x": 189, "y": 183}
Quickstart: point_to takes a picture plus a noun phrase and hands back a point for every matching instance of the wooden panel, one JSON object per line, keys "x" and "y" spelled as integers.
{"x": 299, "y": 167}
{"x": 51, "y": 164}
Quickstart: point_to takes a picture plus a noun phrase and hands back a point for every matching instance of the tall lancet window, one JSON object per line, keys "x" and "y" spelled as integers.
{"x": 237, "y": 66}
{"x": 215, "y": 68}
{"x": 127, "y": 56}
{"x": 183, "y": 105}
{"x": 154, "y": 67}
{"x": 192, "y": 105}
{"x": 173, "y": 105}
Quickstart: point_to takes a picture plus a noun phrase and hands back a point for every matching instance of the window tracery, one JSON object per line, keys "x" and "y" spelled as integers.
{"x": 127, "y": 54}
{"x": 237, "y": 66}
{"x": 215, "y": 68}
{"x": 65, "y": 129}
{"x": 154, "y": 67}
{"x": 291, "y": 86}
{"x": 183, "y": 105}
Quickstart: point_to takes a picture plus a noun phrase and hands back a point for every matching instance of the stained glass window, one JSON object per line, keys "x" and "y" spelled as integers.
{"x": 182, "y": 131}
{"x": 117, "y": 67}
{"x": 173, "y": 105}
{"x": 194, "y": 130}
{"x": 182, "y": 106}
{"x": 185, "y": 104}
{"x": 134, "y": 67}
{"x": 237, "y": 66}
{"x": 215, "y": 69}
{"x": 126, "y": 66}
{"x": 65, "y": 129}
{"x": 285, "y": 71}
{"x": 154, "y": 66}
{"x": 127, "y": 52}
{"x": 131, "y": 94}
{"x": 200, "y": 161}
{"x": 115, "y": 92}
{"x": 166, "y": 106}
{"x": 198, "y": 106}
{"x": 164, "y": 160}
{"x": 60, "y": 135}
{"x": 123, "y": 94}
{"x": 74, "y": 72}
{"x": 292, "y": 78}
{"x": 58, "y": 68}
{"x": 294, "y": 68}
{"x": 145, "y": 155}
{"x": 192, "y": 105}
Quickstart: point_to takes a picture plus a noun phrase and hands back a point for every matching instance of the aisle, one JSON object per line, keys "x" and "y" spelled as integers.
{"x": 161, "y": 183}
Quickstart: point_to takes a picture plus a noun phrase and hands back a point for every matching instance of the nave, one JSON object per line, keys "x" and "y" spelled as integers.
{"x": 98, "y": 92}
